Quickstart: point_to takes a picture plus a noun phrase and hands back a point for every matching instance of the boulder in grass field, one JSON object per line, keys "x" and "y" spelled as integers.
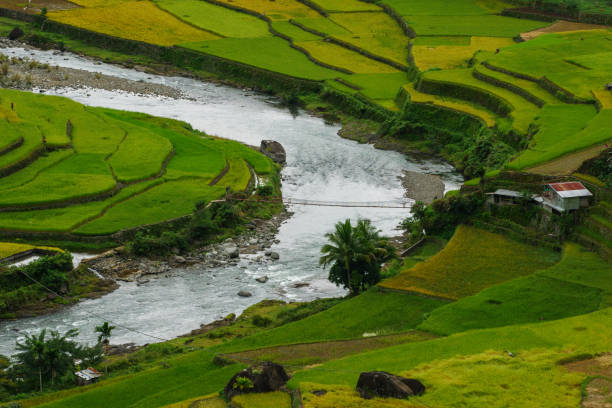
{"x": 264, "y": 377}
{"x": 382, "y": 384}
{"x": 15, "y": 34}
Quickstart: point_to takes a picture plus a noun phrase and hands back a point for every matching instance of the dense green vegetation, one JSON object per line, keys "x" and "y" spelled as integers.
{"x": 21, "y": 295}
{"x": 76, "y": 188}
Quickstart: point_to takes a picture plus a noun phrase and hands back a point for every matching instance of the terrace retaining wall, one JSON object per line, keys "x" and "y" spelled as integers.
{"x": 466, "y": 92}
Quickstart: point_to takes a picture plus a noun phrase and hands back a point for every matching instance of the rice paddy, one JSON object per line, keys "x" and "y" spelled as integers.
{"x": 134, "y": 20}
{"x": 165, "y": 169}
{"x": 473, "y": 260}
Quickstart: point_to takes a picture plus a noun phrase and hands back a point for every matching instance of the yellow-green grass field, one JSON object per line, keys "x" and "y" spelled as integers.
{"x": 276, "y": 399}
{"x": 134, "y": 20}
{"x": 474, "y": 259}
{"x": 168, "y": 168}
{"x": 472, "y": 369}
{"x": 219, "y": 20}
{"x": 482, "y": 26}
{"x": 449, "y": 56}
{"x": 273, "y": 54}
{"x": 456, "y": 104}
{"x": 9, "y": 248}
{"x": 445, "y": 8}
{"x": 576, "y": 61}
{"x": 346, "y": 5}
{"x": 523, "y": 112}
{"x": 578, "y": 284}
{"x": 564, "y": 129}
{"x": 375, "y": 32}
{"x": 275, "y": 10}
{"x": 341, "y": 57}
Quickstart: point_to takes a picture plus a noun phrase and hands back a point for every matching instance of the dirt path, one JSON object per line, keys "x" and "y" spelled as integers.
{"x": 567, "y": 165}
{"x": 559, "y": 27}
{"x": 599, "y": 389}
{"x": 317, "y": 353}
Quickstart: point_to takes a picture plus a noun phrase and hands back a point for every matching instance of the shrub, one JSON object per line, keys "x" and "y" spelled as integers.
{"x": 261, "y": 321}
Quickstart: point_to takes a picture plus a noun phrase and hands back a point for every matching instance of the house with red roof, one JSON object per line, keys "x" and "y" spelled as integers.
{"x": 564, "y": 197}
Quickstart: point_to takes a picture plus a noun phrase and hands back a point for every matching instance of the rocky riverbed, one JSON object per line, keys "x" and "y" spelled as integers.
{"x": 247, "y": 248}
{"x": 422, "y": 187}
{"x": 29, "y": 74}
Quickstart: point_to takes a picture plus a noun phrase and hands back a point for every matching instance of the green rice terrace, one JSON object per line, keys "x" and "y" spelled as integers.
{"x": 461, "y": 56}
{"x": 86, "y": 171}
{"x": 494, "y": 293}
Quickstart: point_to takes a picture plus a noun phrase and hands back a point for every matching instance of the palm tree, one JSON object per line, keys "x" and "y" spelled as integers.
{"x": 341, "y": 250}
{"x": 105, "y": 331}
{"x": 374, "y": 251}
{"x": 356, "y": 254}
{"x": 33, "y": 352}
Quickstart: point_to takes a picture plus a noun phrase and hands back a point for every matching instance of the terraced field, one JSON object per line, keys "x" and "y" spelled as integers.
{"x": 359, "y": 47}
{"x": 473, "y": 260}
{"x": 104, "y": 166}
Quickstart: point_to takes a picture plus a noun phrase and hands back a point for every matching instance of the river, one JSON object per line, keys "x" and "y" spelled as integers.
{"x": 320, "y": 166}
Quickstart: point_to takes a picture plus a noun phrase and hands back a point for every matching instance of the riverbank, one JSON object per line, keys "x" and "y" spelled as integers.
{"x": 244, "y": 249}
{"x": 29, "y": 74}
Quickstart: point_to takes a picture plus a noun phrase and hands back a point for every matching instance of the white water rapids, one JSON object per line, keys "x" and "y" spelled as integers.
{"x": 320, "y": 166}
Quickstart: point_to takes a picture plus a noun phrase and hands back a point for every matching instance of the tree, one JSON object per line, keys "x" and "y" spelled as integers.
{"x": 355, "y": 255}
{"x": 341, "y": 253}
{"x": 47, "y": 358}
{"x": 33, "y": 353}
{"x": 105, "y": 331}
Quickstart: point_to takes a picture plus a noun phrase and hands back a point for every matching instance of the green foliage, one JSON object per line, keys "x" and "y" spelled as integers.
{"x": 243, "y": 384}
{"x": 355, "y": 255}
{"x": 146, "y": 245}
{"x": 442, "y": 216}
{"x": 43, "y": 360}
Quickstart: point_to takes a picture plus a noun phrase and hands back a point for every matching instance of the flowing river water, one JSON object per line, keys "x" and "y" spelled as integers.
{"x": 320, "y": 166}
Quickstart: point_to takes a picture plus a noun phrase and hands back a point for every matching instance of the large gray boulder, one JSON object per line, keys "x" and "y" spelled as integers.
{"x": 274, "y": 150}
{"x": 264, "y": 377}
{"x": 382, "y": 384}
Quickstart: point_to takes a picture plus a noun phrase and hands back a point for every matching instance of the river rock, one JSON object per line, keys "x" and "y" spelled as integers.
{"x": 231, "y": 250}
{"x": 179, "y": 259}
{"x": 274, "y": 256}
{"x": 382, "y": 384}
{"x": 300, "y": 285}
{"x": 15, "y": 34}
{"x": 265, "y": 377}
{"x": 244, "y": 293}
{"x": 262, "y": 279}
{"x": 274, "y": 150}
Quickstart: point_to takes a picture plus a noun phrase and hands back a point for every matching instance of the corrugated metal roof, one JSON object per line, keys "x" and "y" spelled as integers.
{"x": 88, "y": 374}
{"x": 506, "y": 193}
{"x": 570, "y": 189}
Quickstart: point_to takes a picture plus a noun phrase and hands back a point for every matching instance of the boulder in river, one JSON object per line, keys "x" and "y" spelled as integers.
{"x": 262, "y": 279}
{"x": 244, "y": 293}
{"x": 273, "y": 255}
{"x": 231, "y": 250}
{"x": 264, "y": 377}
{"x": 274, "y": 150}
{"x": 382, "y": 384}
